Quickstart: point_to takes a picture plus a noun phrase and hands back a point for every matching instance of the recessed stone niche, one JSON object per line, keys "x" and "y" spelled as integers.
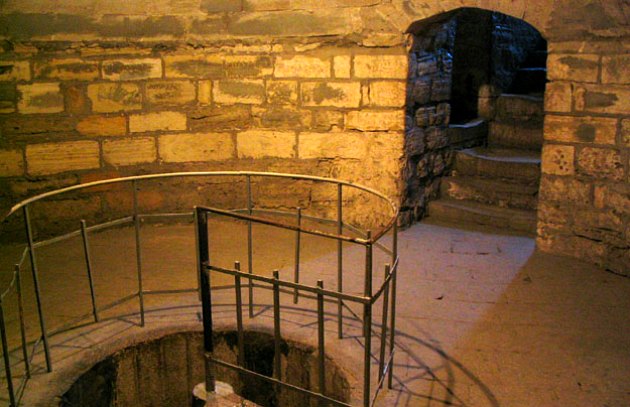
{"x": 163, "y": 372}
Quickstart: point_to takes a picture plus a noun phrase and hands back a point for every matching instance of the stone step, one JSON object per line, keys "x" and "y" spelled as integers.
{"x": 519, "y": 107}
{"x": 515, "y": 164}
{"x": 529, "y": 80}
{"x": 516, "y": 134}
{"x": 458, "y": 212}
{"x": 503, "y": 193}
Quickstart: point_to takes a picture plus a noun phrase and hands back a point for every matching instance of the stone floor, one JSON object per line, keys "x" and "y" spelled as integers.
{"x": 483, "y": 318}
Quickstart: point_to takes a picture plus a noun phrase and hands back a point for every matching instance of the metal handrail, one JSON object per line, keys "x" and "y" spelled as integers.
{"x": 363, "y": 238}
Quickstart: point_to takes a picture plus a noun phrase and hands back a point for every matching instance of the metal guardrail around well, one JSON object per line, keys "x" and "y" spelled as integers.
{"x": 345, "y": 233}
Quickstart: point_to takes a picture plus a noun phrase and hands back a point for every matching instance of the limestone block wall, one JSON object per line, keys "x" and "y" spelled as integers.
{"x": 92, "y": 89}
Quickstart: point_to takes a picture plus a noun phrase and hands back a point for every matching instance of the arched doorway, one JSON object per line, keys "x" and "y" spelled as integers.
{"x": 475, "y": 113}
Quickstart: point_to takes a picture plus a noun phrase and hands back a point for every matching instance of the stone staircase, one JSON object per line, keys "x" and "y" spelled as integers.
{"x": 497, "y": 185}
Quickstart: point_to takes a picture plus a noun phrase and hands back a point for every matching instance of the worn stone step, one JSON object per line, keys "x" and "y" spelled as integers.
{"x": 516, "y": 134}
{"x": 500, "y": 192}
{"x": 519, "y": 107}
{"x": 529, "y": 80}
{"x": 458, "y": 212}
{"x": 498, "y": 162}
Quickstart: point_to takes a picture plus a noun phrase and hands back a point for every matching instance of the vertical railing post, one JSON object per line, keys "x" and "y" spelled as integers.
{"x": 239, "y": 316}
{"x": 276, "y": 326}
{"x": 18, "y": 286}
{"x": 250, "y": 250}
{"x": 203, "y": 261}
{"x": 136, "y": 224}
{"x": 367, "y": 321}
{"x": 296, "y": 273}
{"x": 392, "y": 328}
{"x": 7, "y": 361}
{"x": 339, "y": 260}
{"x": 320, "y": 339}
{"x": 31, "y": 252}
{"x": 381, "y": 366}
{"x": 88, "y": 266}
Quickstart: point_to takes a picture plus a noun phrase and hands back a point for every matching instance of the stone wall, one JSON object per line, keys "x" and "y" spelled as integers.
{"x": 92, "y": 89}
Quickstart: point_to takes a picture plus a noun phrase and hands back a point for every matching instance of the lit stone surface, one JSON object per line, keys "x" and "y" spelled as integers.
{"x": 15, "y": 71}
{"x": 129, "y": 151}
{"x": 282, "y": 92}
{"x": 204, "y": 92}
{"x": 388, "y": 93}
{"x": 40, "y": 98}
{"x": 600, "y": 163}
{"x": 578, "y": 67}
{"x": 196, "y": 147}
{"x": 602, "y": 99}
{"x": 332, "y": 145}
{"x": 615, "y": 69}
{"x": 558, "y": 159}
{"x": 132, "y": 69}
{"x": 193, "y": 66}
{"x": 260, "y": 144}
{"x": 102, "y": 125}
{"x": 53, "y": 158}
{"x": 331, "y": 94}
{"x": 115, "y": 97}
{"x": 157, "y": 121}
{"x": 558, "y": 97}
{"x": 381, "y": 66}
{"x": 342, "y": 65}
{"x": 67, "y": 69}
{"x": 239, "y": 91}
{"x": 170, "y": 92}
{"x": 11, "y": 163}
{"x": 374, "y": 120}
{"x": 584, "y": 129}
{"x": 301, "y": 66}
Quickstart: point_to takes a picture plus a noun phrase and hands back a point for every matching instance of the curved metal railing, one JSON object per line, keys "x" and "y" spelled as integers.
{"x": 253, "y": 212}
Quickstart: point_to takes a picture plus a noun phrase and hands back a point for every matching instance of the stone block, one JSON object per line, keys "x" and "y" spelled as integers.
{"x": 282, "y": 92}
{"x": 342, "y": 66}
{"x": 558, "y": 159}
{"x": 381, "y": 66}
{"x": 212, "y": 118}
{"x": 302, "y": 66}
{"x": 237, "y": 66}
{"x": 157, "y": 121}
{"x": 421, "y": 90}
{"x": 614, "y": 196}
{"x": 261, "y": 144}
{"x": 166, "y": 93}
{"x": 615, "y": 69}
{"x": 220, "y": 6}
{"x": 375, "y": 120}
{"x": 574, "y": 67}
{"x": 280, "y": 117}
{"x": 53, "y": 158}
{"x": 129, "y": 151}
{"x": 565, "y": 189}
{"x": 193, "y": 66}
{"x": 11, "y": 163}
{"x": 15, "y": 71}
{"x": 327, "y": 119}
{"x": 600, "y": 163}
{"x": 295, "y": 23}
{"x": 388, "y": 93}
{"x": 115, "y": 97}
{"x": 36, "y": 124}
{"x": 132, "y": 69}
{"x": 69, "y": 69}
{"x": 436, "y": 138}
{"x": 8, "y": 97}
{"x": 558, "y": 97}
{"x": 196, "y": 147}
{"x": 102, "y": 126}
{"x": 332, "y": 145}
{"x": 40, "y": 98}
{"x": 75, "y": 96}
{"x": 602, "y": 99}
{"x": 441, "y": 88}
{"x": 625, "y": 133}
{"x": 426, "y": 64}
{"x": 266, "y": 5}
{"x": 585, "y": 129}
{"x": 204, "y": 92}
{"x": 245, "y": 91}
{"x": 331, "y": 94}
